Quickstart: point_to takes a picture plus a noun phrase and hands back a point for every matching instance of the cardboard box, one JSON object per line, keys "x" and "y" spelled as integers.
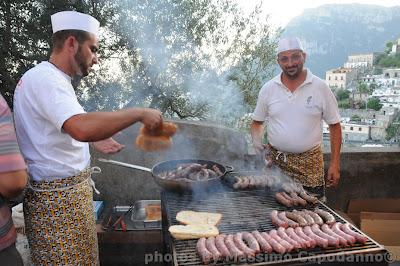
{"x": 356, "y": 206}
{"x": 383, "y": 228}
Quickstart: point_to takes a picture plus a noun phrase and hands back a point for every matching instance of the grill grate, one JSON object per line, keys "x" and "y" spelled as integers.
{"x": 243, "y": 211}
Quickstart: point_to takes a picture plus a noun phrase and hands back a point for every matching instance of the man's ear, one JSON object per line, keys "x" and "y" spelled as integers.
{"x": 305, "y": 56}
{"x": 72, "y": 44}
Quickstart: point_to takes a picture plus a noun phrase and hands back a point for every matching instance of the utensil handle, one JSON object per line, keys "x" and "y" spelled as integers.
{"x": 138, "y": 167}
{"x": 229, "y": 168}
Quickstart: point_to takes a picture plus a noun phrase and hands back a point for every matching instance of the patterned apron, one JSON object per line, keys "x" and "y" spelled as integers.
{"x": 59, "y": 220}
{"x": 306, "y": 167}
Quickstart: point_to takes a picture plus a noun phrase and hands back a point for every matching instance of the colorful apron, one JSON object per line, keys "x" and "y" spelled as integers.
{"x": 60, "y": 224}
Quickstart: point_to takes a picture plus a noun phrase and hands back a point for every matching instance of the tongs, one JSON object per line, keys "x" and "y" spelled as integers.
{"x": 120, "y": 221}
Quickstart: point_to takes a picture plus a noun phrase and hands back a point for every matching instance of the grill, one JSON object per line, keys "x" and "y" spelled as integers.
{"x": 243, "y": 211}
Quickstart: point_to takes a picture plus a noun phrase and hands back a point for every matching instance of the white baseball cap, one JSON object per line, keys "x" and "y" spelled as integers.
{"x": 72, "y": 20}
{"x": 290, "y": 43}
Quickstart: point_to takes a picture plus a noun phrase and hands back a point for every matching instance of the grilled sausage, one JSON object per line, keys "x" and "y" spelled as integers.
{"x": 297, "y": 199}
{"x": 251, "y": 242}
{"x": 336, "y": 228}
{"x": 300, "y": 233}
{"x": 277, "y": 221}
{"x": 233, "y": 250}
{"x": 205, "y": 255}
{"x": 328, "y": 218}
{"x": 326, "y": 229}
{"x": 283, "y": 200}
{"x": 291, "y": 223}
{"x": 297, "y": 218}
{"x": 274, "y": 234}
{"x": 306, "y": 217}
{"x": 308, "y": 198}
{"x": 332, "y": 241}
{"x": 321, "y": 242}
{"x": 240, "y": 244}
{"x": 217, "y": 170}
{"x": 264, "y": 245}
{"x": 283, "y": 235}
{"x": 238, "y": 181}
{"x": 221, "y": 246}
{"x": 245, "y": 183}
{"x": 359, "y": 238}
{"x": 317, "y": 219}
{"x": 210, "y": 245}
{"x": 293, "y": 235}
{"x": 278, "y": 248}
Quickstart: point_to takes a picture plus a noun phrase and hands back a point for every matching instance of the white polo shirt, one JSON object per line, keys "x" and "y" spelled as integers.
{"x": 294, "y": 120}
{"x": 44, "y": 99}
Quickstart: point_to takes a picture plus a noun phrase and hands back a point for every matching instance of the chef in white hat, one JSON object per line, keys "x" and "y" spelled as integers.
{"x": 294, "y": 104}
{"x": 54, "y": 132}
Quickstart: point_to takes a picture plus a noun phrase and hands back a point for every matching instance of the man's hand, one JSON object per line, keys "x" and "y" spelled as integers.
{"x": 108, "y": 146}
{"x": 151, "y": 118}
{"x": 333, "y": 176}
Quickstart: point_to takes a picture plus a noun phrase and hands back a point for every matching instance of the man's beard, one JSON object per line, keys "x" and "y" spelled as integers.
{"x": 84, "y": 69}
{"x": 294, "y": 75}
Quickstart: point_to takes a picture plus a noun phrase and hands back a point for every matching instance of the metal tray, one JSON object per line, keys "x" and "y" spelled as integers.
{"x": 134, "y": 220}
{"x": 139, "y": 215}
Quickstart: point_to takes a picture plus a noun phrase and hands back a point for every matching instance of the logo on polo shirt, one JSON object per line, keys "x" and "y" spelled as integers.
{"x": 309, "y": 102}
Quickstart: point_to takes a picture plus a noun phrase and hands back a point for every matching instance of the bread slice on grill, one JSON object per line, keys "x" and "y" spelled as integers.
{"x": 198, "y": 218}
{"x": 190, "y": 231}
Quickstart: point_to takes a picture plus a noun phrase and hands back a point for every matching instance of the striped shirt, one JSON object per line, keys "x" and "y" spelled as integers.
{"x": 10, "y": 160}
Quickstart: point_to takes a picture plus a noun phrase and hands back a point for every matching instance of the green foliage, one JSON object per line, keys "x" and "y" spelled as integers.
{"x": 388, "y": 46}
{"x": 390, "y": 61}
{"x": 344, "y": 104}
{"x": 342, "y": 94}
{"x": 355, "y": 118}
{"x": 374, "y": 103}
{"x": 363, "y": 88}
{"x": 194, "y": 59}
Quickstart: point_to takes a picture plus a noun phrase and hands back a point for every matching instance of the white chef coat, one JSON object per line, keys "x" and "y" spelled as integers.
{"x": 295, "y": 119}
{"x": 44, "y": 99}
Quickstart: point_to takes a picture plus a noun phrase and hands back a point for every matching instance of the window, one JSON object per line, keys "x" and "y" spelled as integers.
{"x": 335, "y": 78}
{"x": 359, "y": 129}
{"x": 341, "y": 77}
{"x": 351, "y": 128}
{"x": 329, "y": 78}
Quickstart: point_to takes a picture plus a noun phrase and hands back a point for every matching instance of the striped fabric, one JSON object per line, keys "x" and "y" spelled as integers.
{"x": 10, "y": 160}
{"x": 306, "y": 168}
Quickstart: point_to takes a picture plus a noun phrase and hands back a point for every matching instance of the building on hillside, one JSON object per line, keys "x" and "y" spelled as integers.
{"x": 362, "y": 62}
{"x": 391, "y": 73}
{"x": 341, "y": 78}
{"x": 395, "y": 48}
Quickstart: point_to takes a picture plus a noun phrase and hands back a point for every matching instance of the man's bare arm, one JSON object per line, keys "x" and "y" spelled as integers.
{"x": 257, "y": 133}
{"x": 12, "y": 183}
{"x": 333, "y": 176}
{"x": 97, "y": 126}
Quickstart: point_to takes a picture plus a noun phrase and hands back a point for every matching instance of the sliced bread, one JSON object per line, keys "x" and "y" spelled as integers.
{"x": 183, "y": 232}
{"x": 198, "y": 218}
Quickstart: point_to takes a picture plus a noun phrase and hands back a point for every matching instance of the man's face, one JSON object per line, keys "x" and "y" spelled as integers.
{"x": 291, "y": 62}
{"x": 86, "y": 56}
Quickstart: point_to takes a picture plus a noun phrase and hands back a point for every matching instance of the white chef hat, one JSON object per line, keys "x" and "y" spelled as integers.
{"x": 290, "y": 43}
{"x": 72, "y": 20}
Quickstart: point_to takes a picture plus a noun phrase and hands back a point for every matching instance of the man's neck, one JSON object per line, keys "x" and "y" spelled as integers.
{"x": 293, "y": 84}
{"x": 59, "y": 62}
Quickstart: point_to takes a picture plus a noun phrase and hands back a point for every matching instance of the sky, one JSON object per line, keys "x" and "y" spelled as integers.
{"x": 282, "y": 11}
